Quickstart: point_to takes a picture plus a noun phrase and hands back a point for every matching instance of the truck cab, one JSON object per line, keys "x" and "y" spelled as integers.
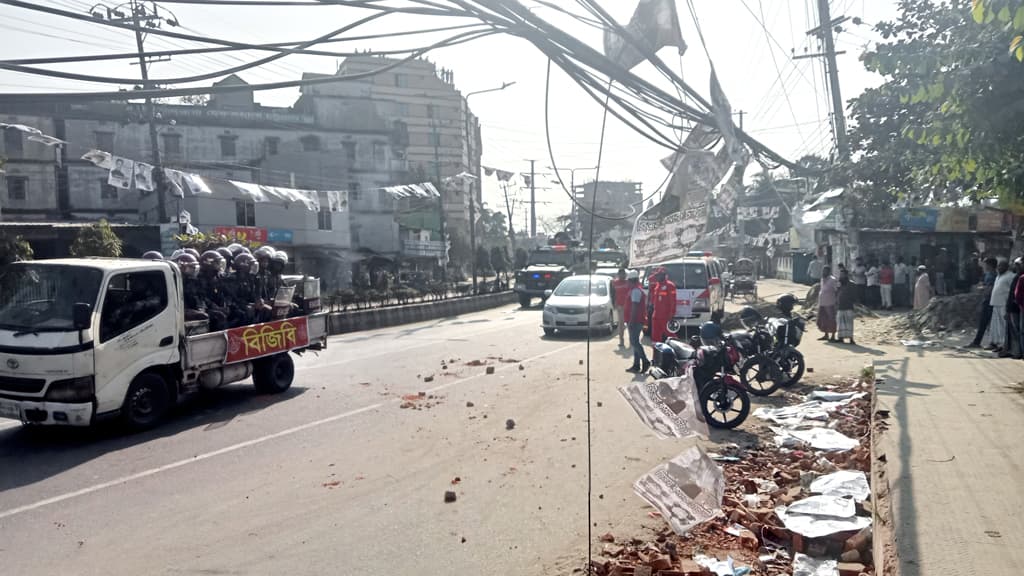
{"x": 86, "y": 339}
{"x": 545, "y": 268}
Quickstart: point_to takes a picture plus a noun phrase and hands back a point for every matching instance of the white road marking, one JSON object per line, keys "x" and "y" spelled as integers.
{"x": 248, "y": 443}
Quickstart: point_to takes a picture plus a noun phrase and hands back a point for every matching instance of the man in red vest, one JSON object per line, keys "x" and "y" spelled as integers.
{"x": 663, "y": 298}
{"x": 620, "y": 287}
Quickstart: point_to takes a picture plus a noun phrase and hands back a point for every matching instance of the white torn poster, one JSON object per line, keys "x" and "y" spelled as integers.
{"x": 99, "y": 158}
{"x": 687, "y": 490}
{"x": 818, "y": 526}
{"x": 196, "y": 185}
{"x": 249, "y": 191}
{"x": 144, "y": 176}
{"x": 836, "y": 397}
{"x": 175, "y": 182}
{"x": 837, "y": 506}
{"x": 121, "y": 173}
{"x": 852, "y": 483}
{"x": 34, "y": 134}
{"x": 804, "y": 565}
{"x": 668, "y": 406}
{"x": 337, "y": 200}
{"x": 793, "y": 415}
{"x": 824, "y": 439}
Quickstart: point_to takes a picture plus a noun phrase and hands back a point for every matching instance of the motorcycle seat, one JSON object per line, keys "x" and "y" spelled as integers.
{"x": 682, "y": 350}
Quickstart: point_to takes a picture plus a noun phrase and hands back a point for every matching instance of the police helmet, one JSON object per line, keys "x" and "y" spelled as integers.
{"x": 245, "y": 262}
{"x": 193, "y": 252}
{"x": 263, "y": 252}
{"x": 153, "y": 255}
{"x": 786, "y": 303}
{"x": 226, "y": 254}
{"x": 235, "y": 248}
{"x": 710, "y": 334}
{"x": 212, "y": 260}
{"x": 188, "y": 264}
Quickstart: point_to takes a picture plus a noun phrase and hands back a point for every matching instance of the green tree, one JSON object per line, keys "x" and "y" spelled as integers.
{"x": 1003, "y": 14}
{"x": 96, "y": 240}
{"x": 483, "y": 259}
{"x": 14, "y": 249}
{"x": 499, "y": 259}
{"x": 522, "y": 256}
{"x": 492, "y": 228}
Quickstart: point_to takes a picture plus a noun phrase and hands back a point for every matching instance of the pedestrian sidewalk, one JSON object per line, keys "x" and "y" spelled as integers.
{"x": 955, "y": 459}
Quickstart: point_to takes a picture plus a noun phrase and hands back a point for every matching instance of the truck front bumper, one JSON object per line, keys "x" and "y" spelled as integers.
{"x": 47, "y": 413}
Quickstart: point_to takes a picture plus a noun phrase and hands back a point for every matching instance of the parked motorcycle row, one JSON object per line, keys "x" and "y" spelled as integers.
{"x": 728, "y": 367}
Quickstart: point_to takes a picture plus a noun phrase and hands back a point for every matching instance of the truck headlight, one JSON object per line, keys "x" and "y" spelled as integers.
{"x": 72, "y": 390}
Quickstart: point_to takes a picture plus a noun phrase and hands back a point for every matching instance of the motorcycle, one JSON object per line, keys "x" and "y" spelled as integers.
{"x": 723, "y": 398}
{"x": 771, "y": 359}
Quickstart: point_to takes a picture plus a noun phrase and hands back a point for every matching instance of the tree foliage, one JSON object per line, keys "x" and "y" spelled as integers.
{"x": 945, "y": 123}
{"x": 483, "y": 258}
{"x": 14, "y": 249}
{"x": 96, "y": 240}
{"x": 499, "y": 259}
{"x": 1006, "y": 14}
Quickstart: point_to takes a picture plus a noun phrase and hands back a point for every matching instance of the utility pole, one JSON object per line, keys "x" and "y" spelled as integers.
{"x": 533, "y": 199}
{"x": 824, "y": 30}
{"x": 440, "y": 199}
{"x": 741, "y": 114}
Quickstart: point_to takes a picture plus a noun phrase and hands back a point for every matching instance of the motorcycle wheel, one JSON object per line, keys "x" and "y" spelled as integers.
{"x": 718, "y": 403}
{"x": 756, "y": 376}
{"x": 792, "y": 364}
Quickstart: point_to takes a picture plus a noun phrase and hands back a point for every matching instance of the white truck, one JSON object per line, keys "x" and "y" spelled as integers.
{"x": 83, "y": 340}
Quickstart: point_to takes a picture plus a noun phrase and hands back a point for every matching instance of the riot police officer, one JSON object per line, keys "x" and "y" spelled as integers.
{"x": 211, "y": 272}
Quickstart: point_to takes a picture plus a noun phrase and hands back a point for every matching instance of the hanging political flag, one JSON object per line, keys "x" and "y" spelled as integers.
{"x": 723, "y": 117}
{"x": 654, "y": 25}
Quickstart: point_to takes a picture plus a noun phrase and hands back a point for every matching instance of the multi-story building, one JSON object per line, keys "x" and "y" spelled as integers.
{"x": 311, "y": 146}
{"x": 421, "y": 101}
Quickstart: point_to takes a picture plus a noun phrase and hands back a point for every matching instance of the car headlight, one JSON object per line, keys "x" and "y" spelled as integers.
{"x": 72, "y": 390}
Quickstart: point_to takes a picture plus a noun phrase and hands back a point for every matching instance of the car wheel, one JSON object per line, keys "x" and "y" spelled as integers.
{"x": 524, "y": 300}
{"x": 549, "y": 331}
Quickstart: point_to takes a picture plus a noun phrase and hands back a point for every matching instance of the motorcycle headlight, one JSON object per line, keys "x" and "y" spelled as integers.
{"x": 72, "y": 390}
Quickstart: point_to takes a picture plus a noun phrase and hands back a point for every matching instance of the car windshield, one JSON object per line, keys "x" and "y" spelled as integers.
{"x": 40, "y": 297}
{"x": 688, "y": 275}
{"x": 550, "y": 258}
{"x": 578, "y": 287}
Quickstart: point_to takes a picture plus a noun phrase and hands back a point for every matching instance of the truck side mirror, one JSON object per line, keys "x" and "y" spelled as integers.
{"x": 81, "y": 315}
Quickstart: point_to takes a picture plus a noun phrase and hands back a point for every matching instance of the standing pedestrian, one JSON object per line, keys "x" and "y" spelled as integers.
{"x": 939, "y": 268}
{"x": 873, "y": 298}
{"x": 1014, "y": 346}
{"x": 845, "y": 301}
{"x": 827, "y": 305}
{"x": 885, "y": 279}
{"x": 635, "y": 315}
{"x": 901, "y": 283}
{"x": 619, "y": 288}
{"x": 664, "y": 297}
{"x": 1018, "y": 297}
{"x": 814, "y": 269}
{"x": 922, "y": 288}
{"x": 859, "y": 279}
{"x": 1000, "y": 292}
{"x": 985, "y": 312}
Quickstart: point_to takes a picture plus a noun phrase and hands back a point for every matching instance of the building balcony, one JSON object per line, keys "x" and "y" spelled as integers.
{"x": 423, "y": 248}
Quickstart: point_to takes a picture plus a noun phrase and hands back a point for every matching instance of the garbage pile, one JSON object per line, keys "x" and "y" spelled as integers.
{"x": 945, "y": 313}
{"x": 798, "y": 504}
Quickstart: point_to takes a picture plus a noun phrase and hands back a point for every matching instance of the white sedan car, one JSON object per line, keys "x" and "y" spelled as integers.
{"x": 566, "y": 307}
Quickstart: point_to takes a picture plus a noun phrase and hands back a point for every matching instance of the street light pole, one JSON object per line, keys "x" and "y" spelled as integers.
{"x": 472, "y": 182}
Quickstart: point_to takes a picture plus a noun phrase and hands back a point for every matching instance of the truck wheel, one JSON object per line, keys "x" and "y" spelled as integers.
{"x": 146, "y": 403}
{"x": 274, "y": 374}
{"x": 524, "y": 300}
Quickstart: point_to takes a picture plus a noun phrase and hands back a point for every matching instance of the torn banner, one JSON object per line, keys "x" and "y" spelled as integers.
{"x": 34, "y": 134}
{"x": 668, "y": 406}
{"x": 121, "y": 173}
{"x": 687, "y": 490}
{"x": 654, "y": 25}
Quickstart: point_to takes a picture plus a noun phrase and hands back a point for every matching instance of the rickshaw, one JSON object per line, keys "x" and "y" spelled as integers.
{"x": 744, "y": 279}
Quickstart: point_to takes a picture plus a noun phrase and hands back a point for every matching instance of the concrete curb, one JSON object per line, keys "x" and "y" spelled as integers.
{"x": 884, "y": 551}
{"x": 358, "y": 320}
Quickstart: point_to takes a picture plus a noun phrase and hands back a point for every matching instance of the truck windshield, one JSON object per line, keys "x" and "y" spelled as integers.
{"x": 550, "y": 258}
{"x": 37, "y": 297}
{"x": 689, "y": 275}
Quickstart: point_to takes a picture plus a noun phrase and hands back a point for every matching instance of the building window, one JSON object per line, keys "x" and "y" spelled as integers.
{"x": 227, "y": 146}
{"x": 350, "y": 150}
{"x": 431, "y": 111}
{"x": 310, "y": 143}
{"x": 401, "y": 81}
{"x": 12, "y": 142}
{"x": 402, "y": 108}
{"x": 172, "y": 143}
{"x": 245, "y": 213}
{"x": 271, "y": 143}
{"x": 107, "y": 192}
{"x": 17, "y": 186}
{"x": 380, "y": 155}
{"x": 323, "y": 220}
{"x": 435, "y": 138}
{"x": 354, "y": 191}
{"x": 105, "y": 141}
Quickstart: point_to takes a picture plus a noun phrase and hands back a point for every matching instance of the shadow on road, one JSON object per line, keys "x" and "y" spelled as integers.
{"x": 30, "y": 454}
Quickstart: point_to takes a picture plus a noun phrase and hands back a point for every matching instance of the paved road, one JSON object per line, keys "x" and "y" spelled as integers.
{"x": 335, "y": 478}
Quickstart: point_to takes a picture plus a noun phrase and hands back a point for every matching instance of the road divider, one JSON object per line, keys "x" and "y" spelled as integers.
{"x": 373, "y": 318}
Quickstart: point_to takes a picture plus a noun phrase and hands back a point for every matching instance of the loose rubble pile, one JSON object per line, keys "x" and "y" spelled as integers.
{"x": 788, "y": 508}
{"x": 946, "y": 313}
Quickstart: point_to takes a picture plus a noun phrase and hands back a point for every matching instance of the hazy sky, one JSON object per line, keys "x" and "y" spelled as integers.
{"x": 789, "y": 115}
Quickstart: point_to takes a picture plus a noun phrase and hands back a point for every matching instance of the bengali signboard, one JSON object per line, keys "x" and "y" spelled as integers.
{"x": 258, "y": 340}
{"x": 280, "y": 236}
{"x": 248, "y": 233}
{"x": 919, "y": 219}
{"x": 991, "y": 221}
{"x": 953, "y": 220}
